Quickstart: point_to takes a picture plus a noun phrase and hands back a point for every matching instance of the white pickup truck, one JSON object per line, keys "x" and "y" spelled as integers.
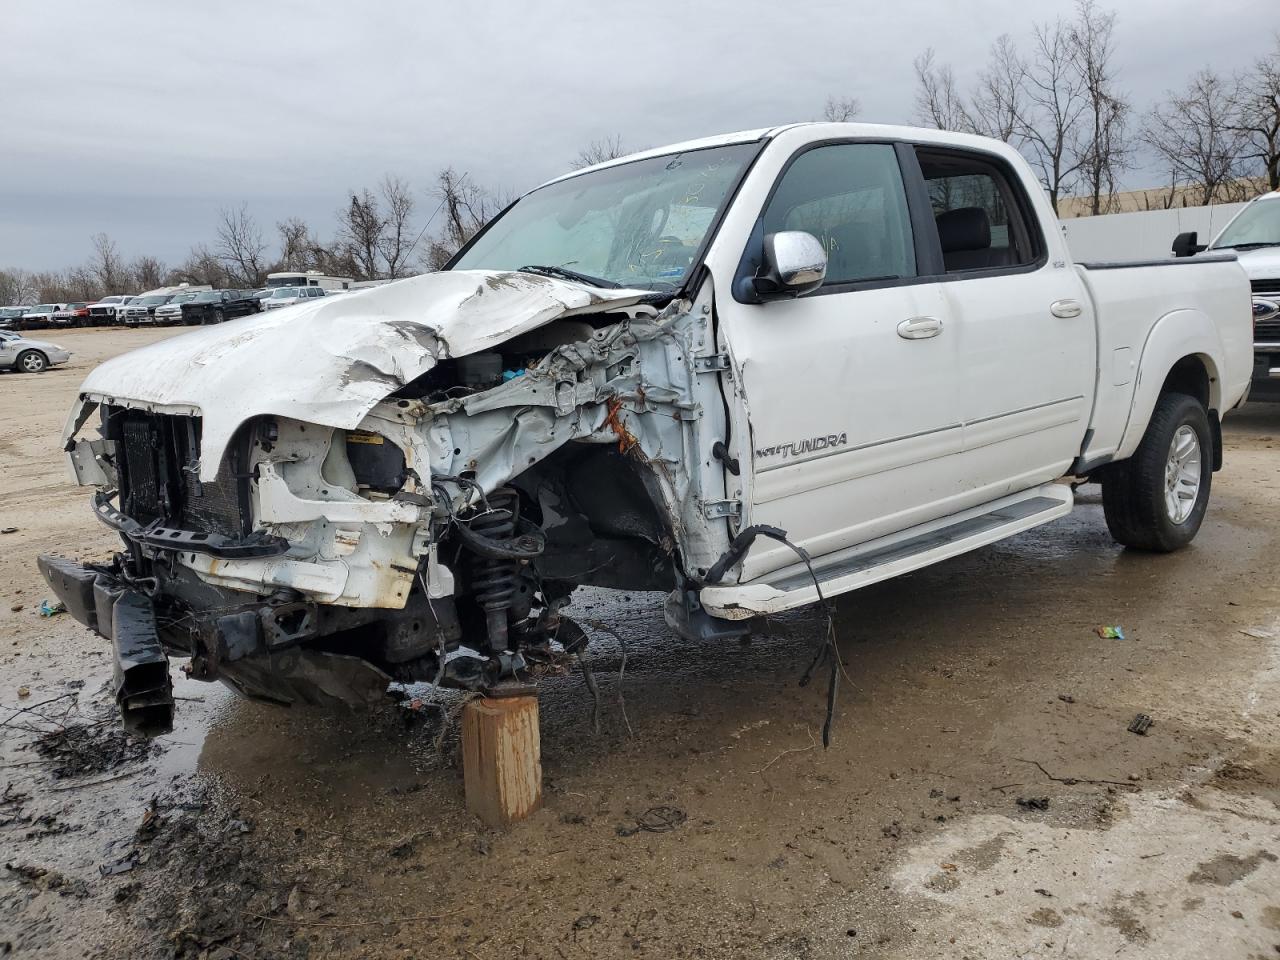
{"x": 666, "y": 372}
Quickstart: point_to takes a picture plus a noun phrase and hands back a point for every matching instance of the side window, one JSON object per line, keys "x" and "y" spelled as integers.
{"x": 851, "y": 197}
{"x": 980, "y": 212}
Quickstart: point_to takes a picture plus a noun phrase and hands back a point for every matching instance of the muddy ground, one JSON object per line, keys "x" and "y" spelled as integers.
{"x": 982, "y": 797}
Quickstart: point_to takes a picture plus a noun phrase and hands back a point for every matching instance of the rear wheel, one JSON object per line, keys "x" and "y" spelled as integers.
{"x": 1156, "y": 500}
{"x": 32, "y": 361}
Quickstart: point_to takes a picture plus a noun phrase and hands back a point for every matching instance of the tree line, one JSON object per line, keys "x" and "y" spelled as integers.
{"x": 1059, "y": 100}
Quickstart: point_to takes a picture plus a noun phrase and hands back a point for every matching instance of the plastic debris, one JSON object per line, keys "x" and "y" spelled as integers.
{"x": 9, "y": 530}
{"x": 1140, "y": 724}
{"x": 509, "y": 375}
{"x": 1109, "y": 633}
{"x": 48, "y": 609}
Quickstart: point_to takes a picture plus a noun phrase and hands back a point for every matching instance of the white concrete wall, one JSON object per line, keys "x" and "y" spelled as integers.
{"x": 1146, "y": 235}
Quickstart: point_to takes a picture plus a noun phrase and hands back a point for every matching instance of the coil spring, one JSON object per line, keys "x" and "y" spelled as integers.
{"x": 494, "y": 582}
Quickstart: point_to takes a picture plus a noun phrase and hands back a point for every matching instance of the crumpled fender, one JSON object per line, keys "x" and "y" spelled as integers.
{"x": 331, "y": 360}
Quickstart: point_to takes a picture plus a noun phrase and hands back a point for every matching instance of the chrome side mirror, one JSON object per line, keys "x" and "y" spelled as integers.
{"x": 794, "y": 264}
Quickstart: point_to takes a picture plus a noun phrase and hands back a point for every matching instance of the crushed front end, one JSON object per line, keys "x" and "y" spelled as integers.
{"x": 310, "y": 518}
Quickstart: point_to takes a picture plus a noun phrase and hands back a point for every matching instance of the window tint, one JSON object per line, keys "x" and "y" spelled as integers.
{"x": 981, "y": 224}
{"x": 850, "y": 196}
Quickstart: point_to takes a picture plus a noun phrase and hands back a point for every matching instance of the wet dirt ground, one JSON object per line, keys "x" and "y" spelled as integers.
{"x": 981, "y": 798}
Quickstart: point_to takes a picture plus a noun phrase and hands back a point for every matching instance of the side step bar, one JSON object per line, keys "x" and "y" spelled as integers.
{"x": 887, "y": 557}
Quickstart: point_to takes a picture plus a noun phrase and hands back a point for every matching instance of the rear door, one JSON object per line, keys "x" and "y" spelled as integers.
{"x": 1021, "y": 323}
{"x": 851, "y": 391}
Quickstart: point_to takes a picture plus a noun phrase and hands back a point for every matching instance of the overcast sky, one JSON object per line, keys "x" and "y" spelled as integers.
{"x": 141, "y": 118}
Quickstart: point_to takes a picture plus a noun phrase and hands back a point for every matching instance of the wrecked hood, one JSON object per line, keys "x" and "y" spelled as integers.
{"x": 332, "y": 360}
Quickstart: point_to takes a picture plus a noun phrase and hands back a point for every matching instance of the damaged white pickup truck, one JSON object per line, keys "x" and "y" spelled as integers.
{"x": 692, "y": 370}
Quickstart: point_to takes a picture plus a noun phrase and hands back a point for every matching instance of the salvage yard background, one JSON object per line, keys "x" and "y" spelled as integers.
{"x": 982, "y": 796}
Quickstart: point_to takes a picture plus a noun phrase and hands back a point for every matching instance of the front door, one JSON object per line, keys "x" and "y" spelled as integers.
{"x": 850, "y": 392}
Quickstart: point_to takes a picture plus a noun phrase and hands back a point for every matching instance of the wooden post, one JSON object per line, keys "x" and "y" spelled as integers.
{"x": 501, "y": 759}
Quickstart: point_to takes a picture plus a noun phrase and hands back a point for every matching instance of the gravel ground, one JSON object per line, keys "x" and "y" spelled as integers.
{"x": 982, "y": 797}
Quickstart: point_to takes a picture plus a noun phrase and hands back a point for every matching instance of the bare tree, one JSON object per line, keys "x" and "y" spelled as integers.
{"x": 1256, "y": 115}
{"x": 1104, "y": 150}
{"x": 241, "y": 247}
{"x": 361, "y": 228}
{"x": 1192, "y": 133}
{"x": 107, "y": 265}
{"x": 18, "y": 288}
{"x": 939, "y": 102}
{"x": 297, "y": 246}
{"x": 466, "y": 208}
{"x": 841, "y": 109}
{"x": 998, "y": 104}
{"x": 398, "y": 238}
{"x": 1051, "y": 109}
{"x": 599, "y": 151}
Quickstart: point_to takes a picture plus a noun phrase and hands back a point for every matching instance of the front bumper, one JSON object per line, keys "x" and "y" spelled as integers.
{"x": 126, "y": 617}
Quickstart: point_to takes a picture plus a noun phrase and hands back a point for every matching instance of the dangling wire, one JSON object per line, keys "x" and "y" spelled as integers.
{"x": 828, "y": 647}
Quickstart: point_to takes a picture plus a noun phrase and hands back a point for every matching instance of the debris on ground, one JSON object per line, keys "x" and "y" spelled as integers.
{"x": 1066, "y": 698}
{"x": 1033, "y": 803}
{"x": 1110, "y": 633}
{"x": 81, "y": 749}
{"x": 660, "y": 819}
{"x": 1140, "y": 724}
{"x": 123, "y": 865}
{"x": 1258, "y": 633}
{"x": 46, "y": 878}
{"x": 48, "y": 609}
{"x": 24, "y": 692}
{"x": 9, "y": 530}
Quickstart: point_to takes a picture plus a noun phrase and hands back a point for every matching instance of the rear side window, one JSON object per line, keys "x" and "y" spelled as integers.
{"x": 851, "y": 197}
{"x": 982, "y": 214}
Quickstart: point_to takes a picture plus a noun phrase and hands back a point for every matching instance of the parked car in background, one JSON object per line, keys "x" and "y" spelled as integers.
{"x": 215, "y": 306}
{"x": 288, "y": 296}
{"x": 142, "y": 309}
{"x": 106, "y": 309}
{"x": 29, "y": 356}
{"x": 71, "y": 314}
{"x": 1253, "y": 235}
{"x": 171, "y": 311}
{"x": 10, "y": 314}
{"x": 41, "y": 315}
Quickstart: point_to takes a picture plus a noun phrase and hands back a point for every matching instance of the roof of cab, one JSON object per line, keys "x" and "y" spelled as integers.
{"x": 871, "y": 130}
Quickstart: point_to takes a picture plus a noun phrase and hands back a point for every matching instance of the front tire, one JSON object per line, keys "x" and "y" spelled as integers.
{"x": 1156, "y": 500}
{"x": 32, "y": 361}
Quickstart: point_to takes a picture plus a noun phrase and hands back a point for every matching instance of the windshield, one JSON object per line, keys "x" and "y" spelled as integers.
{"x": 295, "y": 281}
{"x": 44, "y": 308}
{"x": 207, "y": 297}
{"x": 1258, "y": 224}
{"x": 638, "y": 224}
{"x": 152, "y": 301}
{"x": 283, "y": 293}
{"x": 183, "y": 298}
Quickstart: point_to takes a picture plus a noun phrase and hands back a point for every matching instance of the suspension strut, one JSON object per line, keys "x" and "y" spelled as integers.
{"x": 495, "y": 579}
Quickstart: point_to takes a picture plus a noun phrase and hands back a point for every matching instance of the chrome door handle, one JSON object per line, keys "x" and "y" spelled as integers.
{"x": 1066, "y": 309}
{"x": 919, "y": 328}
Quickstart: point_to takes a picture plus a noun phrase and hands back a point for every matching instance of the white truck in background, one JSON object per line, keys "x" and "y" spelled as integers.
{"x": 1254, "y": 236}
{"x": 698, "y": 369}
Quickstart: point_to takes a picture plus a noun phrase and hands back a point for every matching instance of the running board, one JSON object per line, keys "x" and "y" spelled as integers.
{"x": 890, "y": 556}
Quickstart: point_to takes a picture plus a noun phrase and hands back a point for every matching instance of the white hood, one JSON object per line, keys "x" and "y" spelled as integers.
{"x": 331, "y": 360}
{"x": 1261, "y": 264}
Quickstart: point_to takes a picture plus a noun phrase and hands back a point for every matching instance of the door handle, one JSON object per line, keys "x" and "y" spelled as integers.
{"x": 1066, "y": 309}
{"x": 919, "y": 328}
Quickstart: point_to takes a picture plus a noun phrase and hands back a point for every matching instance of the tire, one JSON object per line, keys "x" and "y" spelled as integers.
{"x": 218, "y": 316}
{"x": 1156, "y": 500}
{"x": 31, "y": 361}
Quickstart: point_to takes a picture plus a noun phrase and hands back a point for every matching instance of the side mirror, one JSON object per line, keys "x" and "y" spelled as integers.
{"x": 794, "y": 264}
{"x": 1185, "y": 245}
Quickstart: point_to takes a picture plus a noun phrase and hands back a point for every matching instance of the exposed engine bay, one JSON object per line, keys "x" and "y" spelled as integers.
{"x": 421, "y": 512}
